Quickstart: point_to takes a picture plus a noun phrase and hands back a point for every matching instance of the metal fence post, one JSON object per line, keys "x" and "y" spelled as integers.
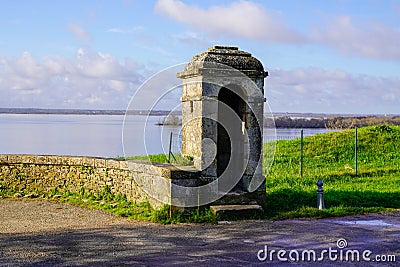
{"x": 355, "y": 151}
{"x": 170, "y": 145}
{"x": 301, "y": 153}
{"x": 170, "y": 153}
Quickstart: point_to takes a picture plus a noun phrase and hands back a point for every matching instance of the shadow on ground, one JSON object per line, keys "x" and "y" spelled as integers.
{"x": 225, "y": 244}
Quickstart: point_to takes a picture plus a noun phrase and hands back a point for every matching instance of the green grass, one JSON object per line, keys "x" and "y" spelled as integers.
{"x": 177, "y": 159}
{"x": 119, "y": 205}
{"x": 330, "y": 157}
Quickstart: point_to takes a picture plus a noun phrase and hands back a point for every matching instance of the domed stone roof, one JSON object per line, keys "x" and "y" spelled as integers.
{"x": 218, "y": 56}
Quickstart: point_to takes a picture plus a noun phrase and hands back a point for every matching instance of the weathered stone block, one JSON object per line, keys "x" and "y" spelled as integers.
{"x": 75, "y": 161}
{"x": 236, "y": 211}
{"x": 87, "y": 161}
{"x": 12, "y": 159}
{"x": 99, "y": 163}
{"x": 54, "y": 160}
{"x": 123, "y": 165}
{"x": 3, "y": 159}
{"x": 113, "y": 164}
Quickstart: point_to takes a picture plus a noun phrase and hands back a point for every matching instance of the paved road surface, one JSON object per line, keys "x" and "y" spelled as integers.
{"x": 42, "y": 233}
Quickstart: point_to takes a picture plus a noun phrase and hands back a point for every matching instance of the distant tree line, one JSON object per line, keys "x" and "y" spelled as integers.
{"x": 351, "y": 122}
{"x": 170, "y": 119}
{"x": 335, "y": 122}
{"x": 287, "y": 122}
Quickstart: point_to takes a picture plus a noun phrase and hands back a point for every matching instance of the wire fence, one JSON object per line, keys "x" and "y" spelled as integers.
{"x": 175, "y": 148}
{"x": 285, "y": 137}
{"x": 175, "y": 143}
{"x": 350, "y": 149}
{"x": 305, "y": 152}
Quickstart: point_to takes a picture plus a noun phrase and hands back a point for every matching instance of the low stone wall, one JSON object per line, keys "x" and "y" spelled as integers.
{"x": 46, "y": 173}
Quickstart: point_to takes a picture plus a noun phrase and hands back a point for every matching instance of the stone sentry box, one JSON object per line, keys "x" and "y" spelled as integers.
{"x": 222, "y": 121}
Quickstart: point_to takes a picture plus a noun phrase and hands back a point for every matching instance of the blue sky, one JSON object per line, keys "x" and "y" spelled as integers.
{"x": 337, "y": 56}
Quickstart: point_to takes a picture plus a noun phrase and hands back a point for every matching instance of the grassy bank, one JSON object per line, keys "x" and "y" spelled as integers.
{"x": 175, "y": 158}
{"x": 118, "y": 205}
{"x": 330, "y": 157}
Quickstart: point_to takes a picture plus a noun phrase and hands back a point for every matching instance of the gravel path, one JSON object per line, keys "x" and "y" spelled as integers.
{"x": 32, "y": 216}
{"x": 43, "y": 233}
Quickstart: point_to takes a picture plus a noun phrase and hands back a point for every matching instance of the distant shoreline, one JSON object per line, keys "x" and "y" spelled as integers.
{"x": 83, "y": 112}
{"x": 167, "y": 112}
{"x": 281, "y": 120}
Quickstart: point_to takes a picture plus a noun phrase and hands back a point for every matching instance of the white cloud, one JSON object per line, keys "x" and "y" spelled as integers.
{"x": 239, "y": 19}
{"x": 123, "y": 30}
{"x": 90, "y": 80}
{"x": 116, "y": 30}
{"x": 98, "y": 80}
{"x": 79, "y": 32}
{"x": 319, "y": 90}
{"x": 371, "y": 40}
{"x": 246, "y": 19}
{"x": 192, "y": 38}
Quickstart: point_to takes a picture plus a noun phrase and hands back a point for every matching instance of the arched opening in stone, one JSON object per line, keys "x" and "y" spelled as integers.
{"x": 230, "y": 147}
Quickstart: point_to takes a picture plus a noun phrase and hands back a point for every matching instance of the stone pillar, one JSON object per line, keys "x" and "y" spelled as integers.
{"x": 222, "y": 114}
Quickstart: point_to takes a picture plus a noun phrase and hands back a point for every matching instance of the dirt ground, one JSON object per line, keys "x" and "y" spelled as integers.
{"x": 43, "y": 233}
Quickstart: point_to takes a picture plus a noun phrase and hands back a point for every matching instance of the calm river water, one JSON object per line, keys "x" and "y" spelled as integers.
{"x": 93, "y": 135}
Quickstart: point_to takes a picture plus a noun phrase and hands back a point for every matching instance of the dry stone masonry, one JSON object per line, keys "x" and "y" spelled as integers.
{"x": 46, "y": 173}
